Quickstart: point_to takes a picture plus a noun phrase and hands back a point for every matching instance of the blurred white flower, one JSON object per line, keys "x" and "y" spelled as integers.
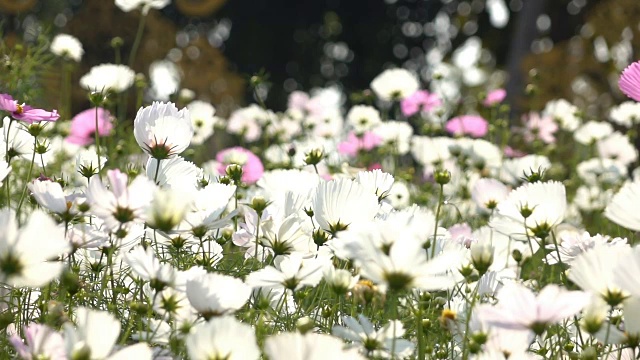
{"x": 222, "y": 338}
{"x": 379, "y": 343}
{"x": 26, "y": 253}
{"x": 564, "y": 113}
{"x": 203, "y": 120}
{"x": 572, "y": 244}
{"x": 108, "y": 77}
{"x": 487, "y": 193}
{"x": 67, "y": 46}
{"x": 165, "y": 79}
{"x": 622, "y": 209}
{"x": 363, "y": 118}
{"x": 145, "y": 5}
{"x": 395, "y": 84}
{"x": 617, "y": 146}
{"x": 396, "y": 135}
{"x": 592, "y": 131}
{"x": 310, "y": 346}
{"x": 593, "y": 271}
{"x": 49, "y": 194}
{"x": 376, "y": 181}
{"x": 626, "y": 114}
{"x": 217, "y": 294}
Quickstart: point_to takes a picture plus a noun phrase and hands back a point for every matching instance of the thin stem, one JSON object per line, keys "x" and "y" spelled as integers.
{"x": 435, "y": 231}
{"x": 24, "y": 190}
{"x": 136, "y": 43}
{"x": 97, "y": 134}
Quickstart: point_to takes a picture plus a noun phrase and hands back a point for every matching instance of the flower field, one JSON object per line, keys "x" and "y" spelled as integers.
{"x": 414, "y": 219}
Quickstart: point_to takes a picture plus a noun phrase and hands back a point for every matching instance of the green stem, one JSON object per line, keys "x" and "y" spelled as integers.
{"x": 24, "y": 190}
{"x": 435, "y": 231}
{"x": 136, "y": 43}
{"x": 97, "y": 135}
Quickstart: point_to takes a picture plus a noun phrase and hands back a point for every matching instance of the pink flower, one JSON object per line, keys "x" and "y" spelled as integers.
{"x": 353, "y": 144}
{"x": 495, "y": 97}
{"x": 83, "y": 126}
{"x": 298, "y": 100}
{"x": 539, "y": 127}
{"x": 472, "y": 125}
{"x": 25, "y": 112}
{"x": 462, "y": 234}
{"x": 513, "y": 153}
{"x": 41, "y": 342}
{"x": 420, "y": 100}
{"x": 252, "y": 168}
{"x": 629, "y": 81}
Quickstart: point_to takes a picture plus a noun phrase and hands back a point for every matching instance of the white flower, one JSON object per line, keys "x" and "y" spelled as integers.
{"x": 5, "y": 169}
{"x": 216, "y": 294}
{"x": 20, "y": 142}
{"x": 519, "y": 308}
{"x": 592, "y": 131}
{"x": 147, "y": 267}
{"x": 291, "y": 272}
{"x": 399, "y": 195}
{"x": 597, "y": 171}
{"x": 593, "y": 271}
{"x": 363, "y": 118}
{"x": 124, "y": 204}
{"x": 618, "y": 147}
{"x": 42, "y": 342}
{"x": 543, "y": 203}
{"x": 565, "y": 113}
{"x": 168, "y": 208}
{"x": 513, "y": 170}
{"x": 487, "y": 193}
{"x": 394, "y": 84}
{"x": 310, "y": 346}
{"x": 340, "y": 280}
{"x": 108, "y": 77}
{"x": 623, "y": 208}
{"x": 377, "y": 342}
{"x": 396, "y": 135}
{"x": 626, "y": 114}
{"x": 340, "y": 203}
{"x": 49, "y": 194}
{"x": 26, "y": 254}
{"x": 202, "y": 120}
{"x": 128, "y": 5}
{"x": 174, "y": 173}
{"x": 247, "y": 122}
{"x": 572, "y": 244}
{"x": 222, "y": 338}
{"x": 165, "y": 79}
{"x": 96, "y": 335}
{"x": 67, "y": 46}
{"x": 376, "y": 181}
{"x": 162, "y": 131}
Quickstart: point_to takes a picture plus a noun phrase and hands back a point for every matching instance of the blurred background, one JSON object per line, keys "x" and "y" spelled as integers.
{"x": 571, "y": 49}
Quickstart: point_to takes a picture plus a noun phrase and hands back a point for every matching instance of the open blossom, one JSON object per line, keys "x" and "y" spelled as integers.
{"x": 494, "y": 97}
{"x": 83, "y": 126}
{"x": 108, "y": 77}
{"x": 355, "y": 143}
{"x": 472, "y": 125}
{"x": 67, "y": 46}
{"x": 25, "y": 112}
{"x": 394, "y": 84}
{"x": 420, "y": 100}
{"x": 146, "y": 5}
{"x": 629, "y": 81}
{"x": 42, "y": 342}
{"x": 540, "y": 127}
{"x": 162, "y": 131}
{"x": 252, "y": 168}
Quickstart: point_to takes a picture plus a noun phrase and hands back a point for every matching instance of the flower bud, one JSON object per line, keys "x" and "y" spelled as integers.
{"x": 442, "y": 177}
{"x": 481, "y": 256}
{"x": 314, "y": 157}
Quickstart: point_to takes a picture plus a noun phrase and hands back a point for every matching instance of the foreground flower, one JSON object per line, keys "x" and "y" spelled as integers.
{"x": 67, "y": 46}
{"x": 162, "y": 131}
{"x": 394, "y": 84}
{"x": 25, "y": 112}
{"x": 629, "y": 81}
{"x": 311, "y": 346}
{"x": 340, "y": 203}
{"x": 252, "y": 168}
{"x": 42, "y": 342}
{"x": 121, "y": 205}
{"x": 291, "y": 272}
{"x": 622, "y": 209}
{"x": 26, "y": 254}
{"x": 216, "y": 294}
{"x": 519, "y": 308}
{"x": 95, "y": 335}
{"x": 385, "y": 343}
{"x": 472, "y": 125}
{"x": 83, "y": 126}
{"x": 222, "y": 338}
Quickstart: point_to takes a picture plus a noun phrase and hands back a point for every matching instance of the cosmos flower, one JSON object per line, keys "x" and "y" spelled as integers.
{"x": 540, "y": 127}
{"x": 420, "y": 100}
{"x": 67, "y": 46}
{"x": 338, "y": 204}
{"x": 494, "y": 97}
{"x": 629, "y": 82}
{"x": 379, "y": 343}
{"x": 472, "y": 125}
{"x": 108, "y": 77}
{"x": 363, "y": 118}
{"x": 394, "y": 84}
{"x": 217, "y": 294}
{"x": 222, "y": 338}
{"x": 310, "y": 346}
{"x": 252, "y": 168}
{"x": 25, "y": 112}
{"x": 83, "y": 126}
{"x": 20, "y": 265}
{"x": 622, "y": 209}
{"x": 42, "y": 342}
{"x": 355, "y": 143}
{"x": 162, "y": 131}
{"x": 146, "y": 5}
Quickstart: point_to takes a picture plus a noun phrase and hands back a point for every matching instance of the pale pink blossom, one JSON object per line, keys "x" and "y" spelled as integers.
{"x": 472, "y": 125}
{"x": 629, "y": 81}
{"x": 252, "y": 168}
{"x": 540, "y": 127}
{"x": 421, "y": 100}
{"x": 353, "y": 144}
{"x": 494, "y": 97}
